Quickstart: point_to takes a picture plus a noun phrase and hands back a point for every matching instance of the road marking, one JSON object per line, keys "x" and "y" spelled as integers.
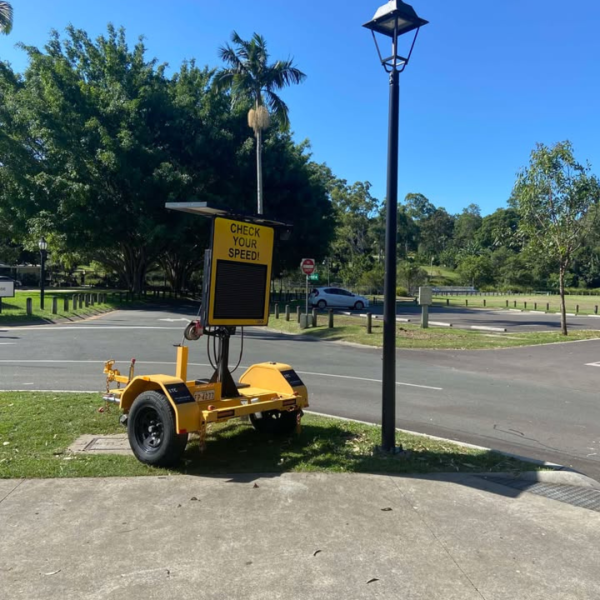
{"x": 426, "y": 387}
{"x": 7, "y": 343}
{"x": 174, "y": 320}
{"x": 140, "y": 362}
{"x": 596, "y": 364}
{"x": 88, "y": 327}
{"x": 137, "y": 362}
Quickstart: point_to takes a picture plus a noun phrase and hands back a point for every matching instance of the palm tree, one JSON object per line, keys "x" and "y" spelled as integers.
{"x": 6, "y": 17}
{"x": 249, "y": 77}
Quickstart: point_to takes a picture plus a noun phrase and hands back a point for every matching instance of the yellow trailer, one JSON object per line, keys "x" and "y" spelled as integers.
{"x": 162, "y": 410}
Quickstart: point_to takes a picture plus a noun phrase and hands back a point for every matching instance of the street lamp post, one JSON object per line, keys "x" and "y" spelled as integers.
{"x": 43, "y": 246}
{"x": 393, "y": 20}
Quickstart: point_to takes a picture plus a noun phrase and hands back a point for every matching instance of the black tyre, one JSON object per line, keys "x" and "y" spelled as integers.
{"x": 275, "y": 422}
{"x": 359, "y": 305}
{"x": 322, "y": 304}
{"x": 151, "y": 431}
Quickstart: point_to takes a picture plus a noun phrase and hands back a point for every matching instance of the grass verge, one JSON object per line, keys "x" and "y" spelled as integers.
{"x": 36, "y": 429}
{"x": 353, "y": 329}
{"x": 14, "y": 310}
{"x": 583, "y": 305}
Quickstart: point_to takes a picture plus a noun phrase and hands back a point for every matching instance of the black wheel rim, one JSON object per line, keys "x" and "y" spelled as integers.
{"x": 149, "y": 430}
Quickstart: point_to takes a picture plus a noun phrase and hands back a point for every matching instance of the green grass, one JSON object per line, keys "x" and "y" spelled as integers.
{"x": 353, "y": 329}
{"x": 442, "y": 276}
{"x": 14, "y": 309}
{"x": 584, "y": 305}
{"x": 37, "y": 428}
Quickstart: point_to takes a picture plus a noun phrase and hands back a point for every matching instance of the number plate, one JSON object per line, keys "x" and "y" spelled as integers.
{"x": 205, "y": 395}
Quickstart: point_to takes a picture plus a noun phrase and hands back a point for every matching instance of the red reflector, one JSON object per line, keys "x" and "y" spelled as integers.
{"x": 226, "y": 413}
{"x": 183, "y": 431}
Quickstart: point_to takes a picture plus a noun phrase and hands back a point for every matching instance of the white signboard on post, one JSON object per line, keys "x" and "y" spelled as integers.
{"x": 7, "y": 288}
{"x": 425, "y": 296}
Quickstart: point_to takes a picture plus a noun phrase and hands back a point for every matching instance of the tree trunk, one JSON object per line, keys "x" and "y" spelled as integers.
{"x": 259, "y": 181}
{"x": 563, "y": 311}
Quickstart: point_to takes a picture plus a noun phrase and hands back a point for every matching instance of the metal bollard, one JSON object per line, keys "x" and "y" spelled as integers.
{"x": 314, "y": 317}
{"x": 298, "y": 313}
{"x": 330, "y": 318}
{"x": 66, "y": 304}
{"x": 54, "y": 305}
{"x": 287, "y": 312}
{"x": 276, "y": 310}
{"x": 369, "y": 323}
{"x": 29, "y": 307}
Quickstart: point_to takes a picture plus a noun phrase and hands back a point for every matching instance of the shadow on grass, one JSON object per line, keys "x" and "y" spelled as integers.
{"x": 239, "y": 449}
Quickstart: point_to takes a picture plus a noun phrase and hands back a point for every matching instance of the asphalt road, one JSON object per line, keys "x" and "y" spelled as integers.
{"x": 509, "y": 319}
{"x": 538, "y": 401}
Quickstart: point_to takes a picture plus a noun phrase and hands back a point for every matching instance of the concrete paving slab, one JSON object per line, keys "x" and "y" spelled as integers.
{"x": 526, "y": 547}
{"x": 292, "y": 536}
{"x": 297, "y": 535}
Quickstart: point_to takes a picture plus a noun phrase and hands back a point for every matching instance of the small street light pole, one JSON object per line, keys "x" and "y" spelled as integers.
{"x": 43, "y": 246}
{"x": 393, "y": 20}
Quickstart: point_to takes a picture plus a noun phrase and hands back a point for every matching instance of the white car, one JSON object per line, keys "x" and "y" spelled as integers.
{"x": 332, "y": 297}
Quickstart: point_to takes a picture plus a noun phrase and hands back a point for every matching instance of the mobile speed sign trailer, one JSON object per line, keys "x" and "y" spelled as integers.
{"x": 162, "y": 410}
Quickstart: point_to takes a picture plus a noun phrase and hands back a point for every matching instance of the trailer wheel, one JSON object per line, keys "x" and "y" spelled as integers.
{"x": 151, "y": 431}
{"x": 275, "y": 422}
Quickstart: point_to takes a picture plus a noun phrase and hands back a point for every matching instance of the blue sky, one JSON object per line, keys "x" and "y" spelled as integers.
{"x": 486, "y": 82}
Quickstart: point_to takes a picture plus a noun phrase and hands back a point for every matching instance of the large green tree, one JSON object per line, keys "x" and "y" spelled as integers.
{"x": 355, "y": 243}
{"x": 97, "y": 115}
{"x": 555, "y": 196}
{"x": 254, "y": 81}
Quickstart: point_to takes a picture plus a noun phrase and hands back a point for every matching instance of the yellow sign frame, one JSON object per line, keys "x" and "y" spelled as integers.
{"x": 238, "y": 243}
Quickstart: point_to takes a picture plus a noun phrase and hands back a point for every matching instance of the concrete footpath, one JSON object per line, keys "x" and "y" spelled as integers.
{"x": 292, "y": 536}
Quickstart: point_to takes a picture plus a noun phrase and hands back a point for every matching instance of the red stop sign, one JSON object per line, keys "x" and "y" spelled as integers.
{"x": 308, "y": 266}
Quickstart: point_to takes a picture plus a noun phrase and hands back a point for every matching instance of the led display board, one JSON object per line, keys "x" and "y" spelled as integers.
{"x": 240, "y": 273}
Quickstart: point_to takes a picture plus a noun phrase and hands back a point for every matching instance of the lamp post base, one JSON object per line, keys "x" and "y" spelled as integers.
{"x": 395, "y": 451}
